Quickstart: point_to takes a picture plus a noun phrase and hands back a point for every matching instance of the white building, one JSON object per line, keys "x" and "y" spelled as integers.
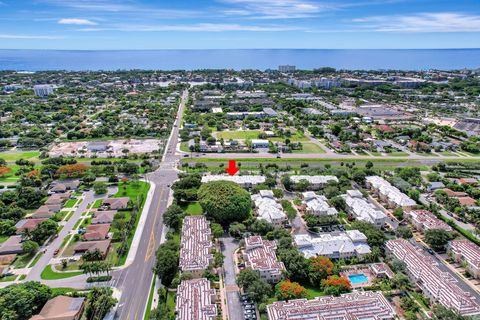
{"x": 317, "y": 205}
{"x": 269, "y": 209}
{"x": 390, "y": 194}
{"x": 196, "y": 300}
{"x": 439, "y": 286}
{"x": 195, "y": 246}
{"x": 316, "y": 182}
{"x": 286, "y": 68}
{"x": 363, "y": 210}
{"x": 359, "y": 305}
{"x": 343, "y": 245}
{"x": 260, "y": 256}
{"x": 244, "y": 181}
{"x": 425, "y": 220}
{"x": 43, "y": 90}
{"x": 260, "y": 143}
{"x": 468, "y": 252}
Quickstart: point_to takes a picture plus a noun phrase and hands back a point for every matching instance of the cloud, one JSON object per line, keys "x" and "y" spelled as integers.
{"x": 76, "y": 21}
{"x": 200, "y": 27}
{"x": 422, "y": 22}
{"x": 276, "y": 9}
{"x": 28, "y": 36}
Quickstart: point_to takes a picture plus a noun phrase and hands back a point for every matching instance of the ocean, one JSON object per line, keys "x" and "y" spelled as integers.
{"x": 261, "y": 59}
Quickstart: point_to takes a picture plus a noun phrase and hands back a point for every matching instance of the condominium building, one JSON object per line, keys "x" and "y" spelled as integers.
{"x": 361, "y": 305}
{"x": 286, "y": 68}
{"x": 260, "y": 256}
{"x": 195, "y": 246}
{"x": 316, "y": 182}
{"x": 243, "y": 181}
{"x": 317, "y": 205}
{"x": 424, "y": 220}
{"x": 341, "y": 245}
{"x": 467, "y": 252}
{"x": 393, "y": 197}
{"x": 439, "y": 286}
{"x": 196, "y": 300}
{"x": 363, "y": 210}
{"x": 43, "y": 90}
{"x": 268, "y": 208}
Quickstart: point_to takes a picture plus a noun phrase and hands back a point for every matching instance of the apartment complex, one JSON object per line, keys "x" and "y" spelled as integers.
{"x": 268, "y": 208}
{"x": 243, "y": 181}
{"x": 195, "y": 300}
{"x": 439, "y": 286}
{"x": 259, "y": 255}
{"x": 425, "y": 220}
{"x": 317, "y": 205}
{"x": 363, "y": 210}
{"x": 195, "y": 246}
{"x": 467, "y": 252}
{"x": 357, "y": 305}
{"x": 393, "y": 197}
{"x": 342, "y": 245}
{"x": 316, "y": 182}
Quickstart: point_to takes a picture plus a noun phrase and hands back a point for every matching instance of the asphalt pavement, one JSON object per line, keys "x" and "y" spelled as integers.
{"x": 235, "y": 308}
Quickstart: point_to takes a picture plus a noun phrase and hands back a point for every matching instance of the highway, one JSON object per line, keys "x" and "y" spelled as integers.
{"x": 135, "y": 280}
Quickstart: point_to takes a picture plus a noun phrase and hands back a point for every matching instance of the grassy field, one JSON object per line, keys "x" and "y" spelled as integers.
{"x": 193, "y": 209}
{"x": 49, "y": 274}
{"x": 297, "y": 137}
{"x": 70, "y": 203}
{"x": 236, "y": 135}
{"x": 11, "y": 177}
{"x": 309, "y": 147}
{"x": 397, "y": 154}
{"x": 11, "y": 156}
{"x": 184, "y": 146}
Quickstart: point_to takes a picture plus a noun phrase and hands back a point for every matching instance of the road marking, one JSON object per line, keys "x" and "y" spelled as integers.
{"x": 151, "y": 243}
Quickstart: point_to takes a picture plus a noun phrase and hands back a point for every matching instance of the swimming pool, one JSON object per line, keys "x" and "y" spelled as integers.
{"x": 358, "y": 278}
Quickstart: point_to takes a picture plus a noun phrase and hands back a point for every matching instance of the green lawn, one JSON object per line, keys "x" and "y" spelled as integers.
{"x": 397, "y": 154}
{"x": 97, "y": 204}
{"x": 309, "y": 147}
{"x": 3, "y": 238}
{"x": 297, "y": 137}
{"x": 12, "y": 156}
{"x": 49, "y": 274}
{"x": 11, "y": 177}
{"x": 62, "y": 291}
{"x": 22, "y": 261}
{"x": 34, "y": 262}
{"x": 193, "y": 209}
{"x": 313, "y": 292}
{"x": 237, "y": 135}
{"x": 184, "y": 146}
{"x": 69, "y": 215}
{"x": 8, "y": 278}
{"x": 70, "y": 203}
{"x": 150, "y": 300}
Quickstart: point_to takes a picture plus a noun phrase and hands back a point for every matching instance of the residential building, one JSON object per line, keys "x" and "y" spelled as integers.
{"x": 116, "y": 203}
{"x": 61, "y": 308}
{"x": 361, "y": 305}
{"x": 102, "y": 246}
{"x": 437, "y": 285}
{"x": 268, "y": 209}
{"x": 100, "y": 217}
{"x": 43, "y": 90}
{"x": 316, "y": 182}
{"x": 46, "y": 211}
{"x": 393, "y": 197}
{"x": 244, "y": 181}
{"x": 259, "y": 255}
{"x": 286, "y": 68}
{"x": 195, "y": 246}
{"x": 340, "y": 245}
{"x": 317, "y": 205}
{"x": 425, "y": 220}
{"x": 13, "y": 245}
{"x": 196, "y": 300}
{"x": 465, "y": 251}
{"x": 27, "y": 224}
{"x": 363, "y": 210}
{"x": 95, "y": 232}
{"x": 381, "y": 270}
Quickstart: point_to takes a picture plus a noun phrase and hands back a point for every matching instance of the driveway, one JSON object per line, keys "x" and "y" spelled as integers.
{"x": 235, "y": 309}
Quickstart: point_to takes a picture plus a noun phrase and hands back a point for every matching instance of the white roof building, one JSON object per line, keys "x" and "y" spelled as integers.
{"x": 245, "y": 181}
{"x": 391, "y": 194}
{"x": 367, "y": 305}
{"x": 465, "y": 250}
{"x": 314, "y": 180}
{"x": 362, "y": 210}
{"x": 425, "y": 220}
{"x": 260, "y": 256}
{"x": 343, "y": 245}
{"x": 318, "y": 205}
{"x": 195, "y": 300}
{"x": 268, "y": 208}
{"x": 438, "y": 285}
{"x": 195, "y": 246}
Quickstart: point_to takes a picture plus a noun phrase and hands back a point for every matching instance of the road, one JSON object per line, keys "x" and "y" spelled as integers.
{"x": 135, "y": 281}
{"x": 235, "y": 308}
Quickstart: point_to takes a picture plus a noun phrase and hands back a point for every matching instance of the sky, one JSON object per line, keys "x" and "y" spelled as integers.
{"x": 238, "y": 24}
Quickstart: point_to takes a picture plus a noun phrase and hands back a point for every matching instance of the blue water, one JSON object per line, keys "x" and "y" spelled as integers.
{"x": 421, "y": 59}
{"x": 358, "y": 278}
